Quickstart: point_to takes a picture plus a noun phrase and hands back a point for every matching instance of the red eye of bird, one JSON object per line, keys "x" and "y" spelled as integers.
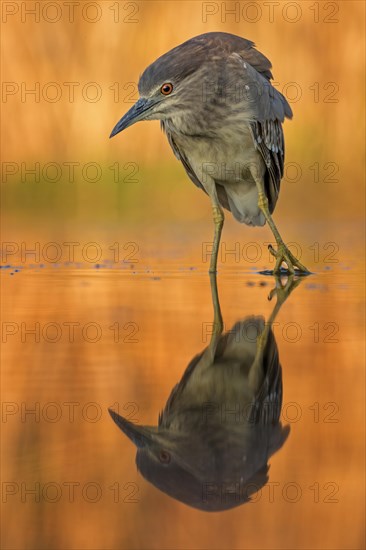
{"x": 164, "y": 457}
{"x": 166, "y": 88}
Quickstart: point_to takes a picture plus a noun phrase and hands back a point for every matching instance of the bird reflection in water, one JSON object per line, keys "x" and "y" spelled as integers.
{"x": 221, "y": 423}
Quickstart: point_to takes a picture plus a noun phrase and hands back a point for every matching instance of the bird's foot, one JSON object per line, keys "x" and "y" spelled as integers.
{"x": 284, "y": 287}
{"x": 282, "y": 254}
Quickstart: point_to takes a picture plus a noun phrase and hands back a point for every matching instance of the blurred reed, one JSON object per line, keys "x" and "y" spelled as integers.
{"x": 306, "y": 53}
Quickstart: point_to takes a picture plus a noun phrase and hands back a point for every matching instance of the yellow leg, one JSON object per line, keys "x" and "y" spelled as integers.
{"x": 218, "y": 218}
{"x": 282, "y": 254}
{"x": 218, "y": 323}
{"x": 282, "y": 292}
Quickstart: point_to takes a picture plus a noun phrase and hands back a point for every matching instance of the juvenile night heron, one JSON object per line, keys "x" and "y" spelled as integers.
{"x": 221, "y": 423}
{"x": 223, "y": 119}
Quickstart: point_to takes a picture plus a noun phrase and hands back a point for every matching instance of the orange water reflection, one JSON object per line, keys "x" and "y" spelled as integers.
{"x": 71, "y": 448}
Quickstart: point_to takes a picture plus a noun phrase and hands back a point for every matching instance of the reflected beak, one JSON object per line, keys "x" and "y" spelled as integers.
{"x": 139, "y": 435}
{"x": 135, "y": 114}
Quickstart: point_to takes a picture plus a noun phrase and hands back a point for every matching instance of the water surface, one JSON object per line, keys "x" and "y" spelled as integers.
{"x": 77, "y": 341}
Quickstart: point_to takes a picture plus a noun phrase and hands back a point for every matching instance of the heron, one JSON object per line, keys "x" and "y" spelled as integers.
{"x": 223, "y": 119}
{"x": 222, "y": 422}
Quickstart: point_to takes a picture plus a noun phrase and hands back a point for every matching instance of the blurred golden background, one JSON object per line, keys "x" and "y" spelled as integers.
{"x": 84, "y": 77}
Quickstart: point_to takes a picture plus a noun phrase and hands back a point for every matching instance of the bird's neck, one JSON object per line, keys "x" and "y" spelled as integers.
{"x": 188, "y": 125}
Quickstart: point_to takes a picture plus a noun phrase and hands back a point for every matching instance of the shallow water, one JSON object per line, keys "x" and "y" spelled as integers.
{"x": 77, "y": 341}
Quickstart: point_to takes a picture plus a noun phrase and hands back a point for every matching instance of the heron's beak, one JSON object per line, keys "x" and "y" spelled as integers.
{"x": 139, "y": 435}
{"x": 135, "y": 114}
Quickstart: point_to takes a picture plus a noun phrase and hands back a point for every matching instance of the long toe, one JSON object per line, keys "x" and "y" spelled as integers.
{"x": 283, "y": 255}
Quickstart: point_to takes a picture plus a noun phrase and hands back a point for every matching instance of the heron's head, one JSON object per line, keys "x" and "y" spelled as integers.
{"x": 201, "y": 469}
{"x": 185, "y": 80}
{"x": 169, "y": 87}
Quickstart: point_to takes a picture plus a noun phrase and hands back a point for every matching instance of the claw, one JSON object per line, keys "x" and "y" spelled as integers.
{"x": 272, "y": 293}
{"x": 284, "y": 288}
{"x": 282, "y": 254}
